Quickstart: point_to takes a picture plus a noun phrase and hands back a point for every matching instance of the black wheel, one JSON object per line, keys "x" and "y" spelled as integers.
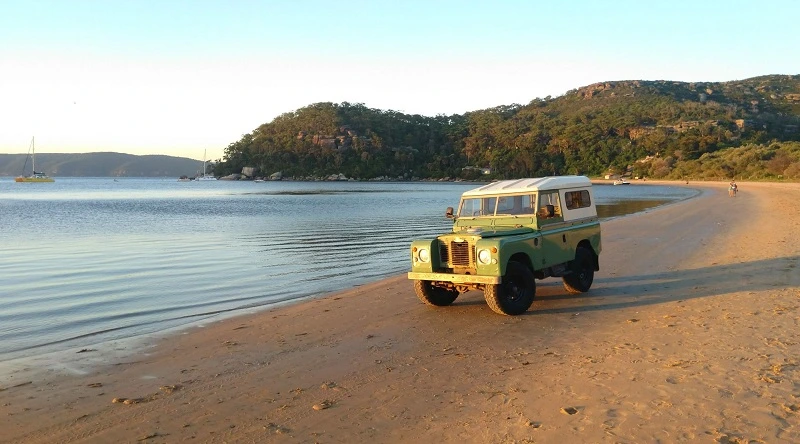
{"x": 582, "y": 272}
{"x": 432, "y": 295}
{"x": 514, "y": 295}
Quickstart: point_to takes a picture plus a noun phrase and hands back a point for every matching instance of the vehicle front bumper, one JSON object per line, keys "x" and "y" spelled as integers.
{"x": 455, "y": 278}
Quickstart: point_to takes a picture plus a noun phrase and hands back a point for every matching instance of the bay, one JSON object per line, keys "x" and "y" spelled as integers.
{"x": 88, "y": 260}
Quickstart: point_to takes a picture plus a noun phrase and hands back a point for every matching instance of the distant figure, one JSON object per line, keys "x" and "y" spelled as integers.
{"x": 733, "y": 188}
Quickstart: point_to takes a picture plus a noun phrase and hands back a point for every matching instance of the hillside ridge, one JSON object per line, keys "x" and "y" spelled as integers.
{"x": 647, "y": 128}
{"x": 102, "y": 164}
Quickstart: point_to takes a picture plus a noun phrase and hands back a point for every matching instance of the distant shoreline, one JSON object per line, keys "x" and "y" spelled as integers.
{"x": 595, "y": 181}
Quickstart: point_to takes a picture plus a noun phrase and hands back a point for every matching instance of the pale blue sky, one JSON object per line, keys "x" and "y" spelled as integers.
{"x": 179, "y": 77}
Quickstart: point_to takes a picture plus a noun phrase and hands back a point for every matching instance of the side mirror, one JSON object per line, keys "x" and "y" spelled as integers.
{"x": 449, "y": 213}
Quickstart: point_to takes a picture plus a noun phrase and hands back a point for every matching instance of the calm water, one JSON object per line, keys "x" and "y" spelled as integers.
{"x": 91, "y": 260}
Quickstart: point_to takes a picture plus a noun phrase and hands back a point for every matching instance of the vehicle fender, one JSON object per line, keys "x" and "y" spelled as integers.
{"x": 496, "y": 266}
{"x": 425, "y": 267}
{"x": 521, "y": 248}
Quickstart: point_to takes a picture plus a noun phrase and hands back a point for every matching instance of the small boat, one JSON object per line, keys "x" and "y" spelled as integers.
{"x": 35, "y": 176}
{"x": 205, "y": 175}
{"x": 621, "y": 182}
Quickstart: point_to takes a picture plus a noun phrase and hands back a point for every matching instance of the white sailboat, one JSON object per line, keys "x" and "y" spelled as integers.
{"x": 35, "y": 176}
{"x": 205, "y": 175}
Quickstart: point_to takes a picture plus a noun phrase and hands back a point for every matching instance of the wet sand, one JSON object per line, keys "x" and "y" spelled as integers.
{"x": 690, "y": 333}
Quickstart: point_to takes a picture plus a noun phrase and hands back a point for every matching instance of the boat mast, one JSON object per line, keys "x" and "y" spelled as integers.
{"x": 33, "y": 155}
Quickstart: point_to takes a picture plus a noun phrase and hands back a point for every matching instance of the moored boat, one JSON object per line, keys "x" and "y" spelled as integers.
{"x": 205, "y": 175}
{"x": 35, "y": 176}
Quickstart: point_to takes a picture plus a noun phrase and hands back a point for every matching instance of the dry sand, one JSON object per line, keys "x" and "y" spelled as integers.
{"x": 690, "y": 333}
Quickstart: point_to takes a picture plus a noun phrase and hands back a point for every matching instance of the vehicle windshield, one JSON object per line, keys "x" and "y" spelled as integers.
{"x": 506, "y": 205}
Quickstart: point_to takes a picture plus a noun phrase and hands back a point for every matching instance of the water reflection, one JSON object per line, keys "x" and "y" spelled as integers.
{"x": 621, "y": 208}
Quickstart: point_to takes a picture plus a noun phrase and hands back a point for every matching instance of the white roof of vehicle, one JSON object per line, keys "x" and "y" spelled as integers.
{"x": 529, "y": 185}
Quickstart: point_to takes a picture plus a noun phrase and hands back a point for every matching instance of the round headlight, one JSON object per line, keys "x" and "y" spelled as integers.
{"x": 484, "y": 257}
{"x": 424, "y": 255}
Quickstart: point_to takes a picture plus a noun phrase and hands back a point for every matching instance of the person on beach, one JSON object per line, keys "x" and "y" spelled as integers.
{"x": 733, "y": 188}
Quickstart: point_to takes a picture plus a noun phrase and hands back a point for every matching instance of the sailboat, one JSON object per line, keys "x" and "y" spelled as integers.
{"x": 35, "y": 176}
{"x": 205, "y": 176}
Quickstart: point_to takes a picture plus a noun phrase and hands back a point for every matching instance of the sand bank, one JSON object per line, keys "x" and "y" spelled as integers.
{"x": 689, "y": 333}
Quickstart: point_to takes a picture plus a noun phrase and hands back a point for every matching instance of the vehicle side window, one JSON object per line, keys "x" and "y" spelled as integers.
{"x": 549, "y": 205}
{"x": 577, "y": 199}
{"x": 516, "y": 205}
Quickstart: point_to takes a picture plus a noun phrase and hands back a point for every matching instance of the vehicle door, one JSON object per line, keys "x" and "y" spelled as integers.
{"x": 555, "y": 237}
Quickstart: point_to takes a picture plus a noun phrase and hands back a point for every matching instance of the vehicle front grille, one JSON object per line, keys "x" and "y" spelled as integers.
{"x": 457, "y": 254}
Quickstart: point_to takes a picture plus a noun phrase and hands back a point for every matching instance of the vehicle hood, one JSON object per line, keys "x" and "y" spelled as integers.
{"x": 485, "y": 232}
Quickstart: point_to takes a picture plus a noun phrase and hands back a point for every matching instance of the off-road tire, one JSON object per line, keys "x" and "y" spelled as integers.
{"x": 514, "y": 295}
{"x": 582, "y": 275}
{"x": 431, "y": 295}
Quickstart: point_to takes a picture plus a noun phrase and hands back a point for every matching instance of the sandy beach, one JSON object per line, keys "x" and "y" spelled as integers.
{"x": 690, "y": 333}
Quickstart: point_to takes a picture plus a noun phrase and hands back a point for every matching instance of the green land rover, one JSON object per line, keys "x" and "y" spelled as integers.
{"x": 507, "y": 234}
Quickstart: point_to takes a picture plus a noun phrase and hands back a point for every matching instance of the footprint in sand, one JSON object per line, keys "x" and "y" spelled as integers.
{"x": 793, "y": 408}
{"x": 168, "y": 389}
{"x": 277, "y": 429}
{"x": 126, "y": 401}
{"x": 330, "y": 385}
{"x": 323, "y": 405}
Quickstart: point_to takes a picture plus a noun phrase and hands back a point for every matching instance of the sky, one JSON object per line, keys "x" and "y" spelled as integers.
{"x": 184, "y": 77}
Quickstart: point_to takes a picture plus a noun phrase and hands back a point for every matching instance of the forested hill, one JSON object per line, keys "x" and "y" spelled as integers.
{"x": 646, "y": 128}
{"x": 101, "y": 165}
